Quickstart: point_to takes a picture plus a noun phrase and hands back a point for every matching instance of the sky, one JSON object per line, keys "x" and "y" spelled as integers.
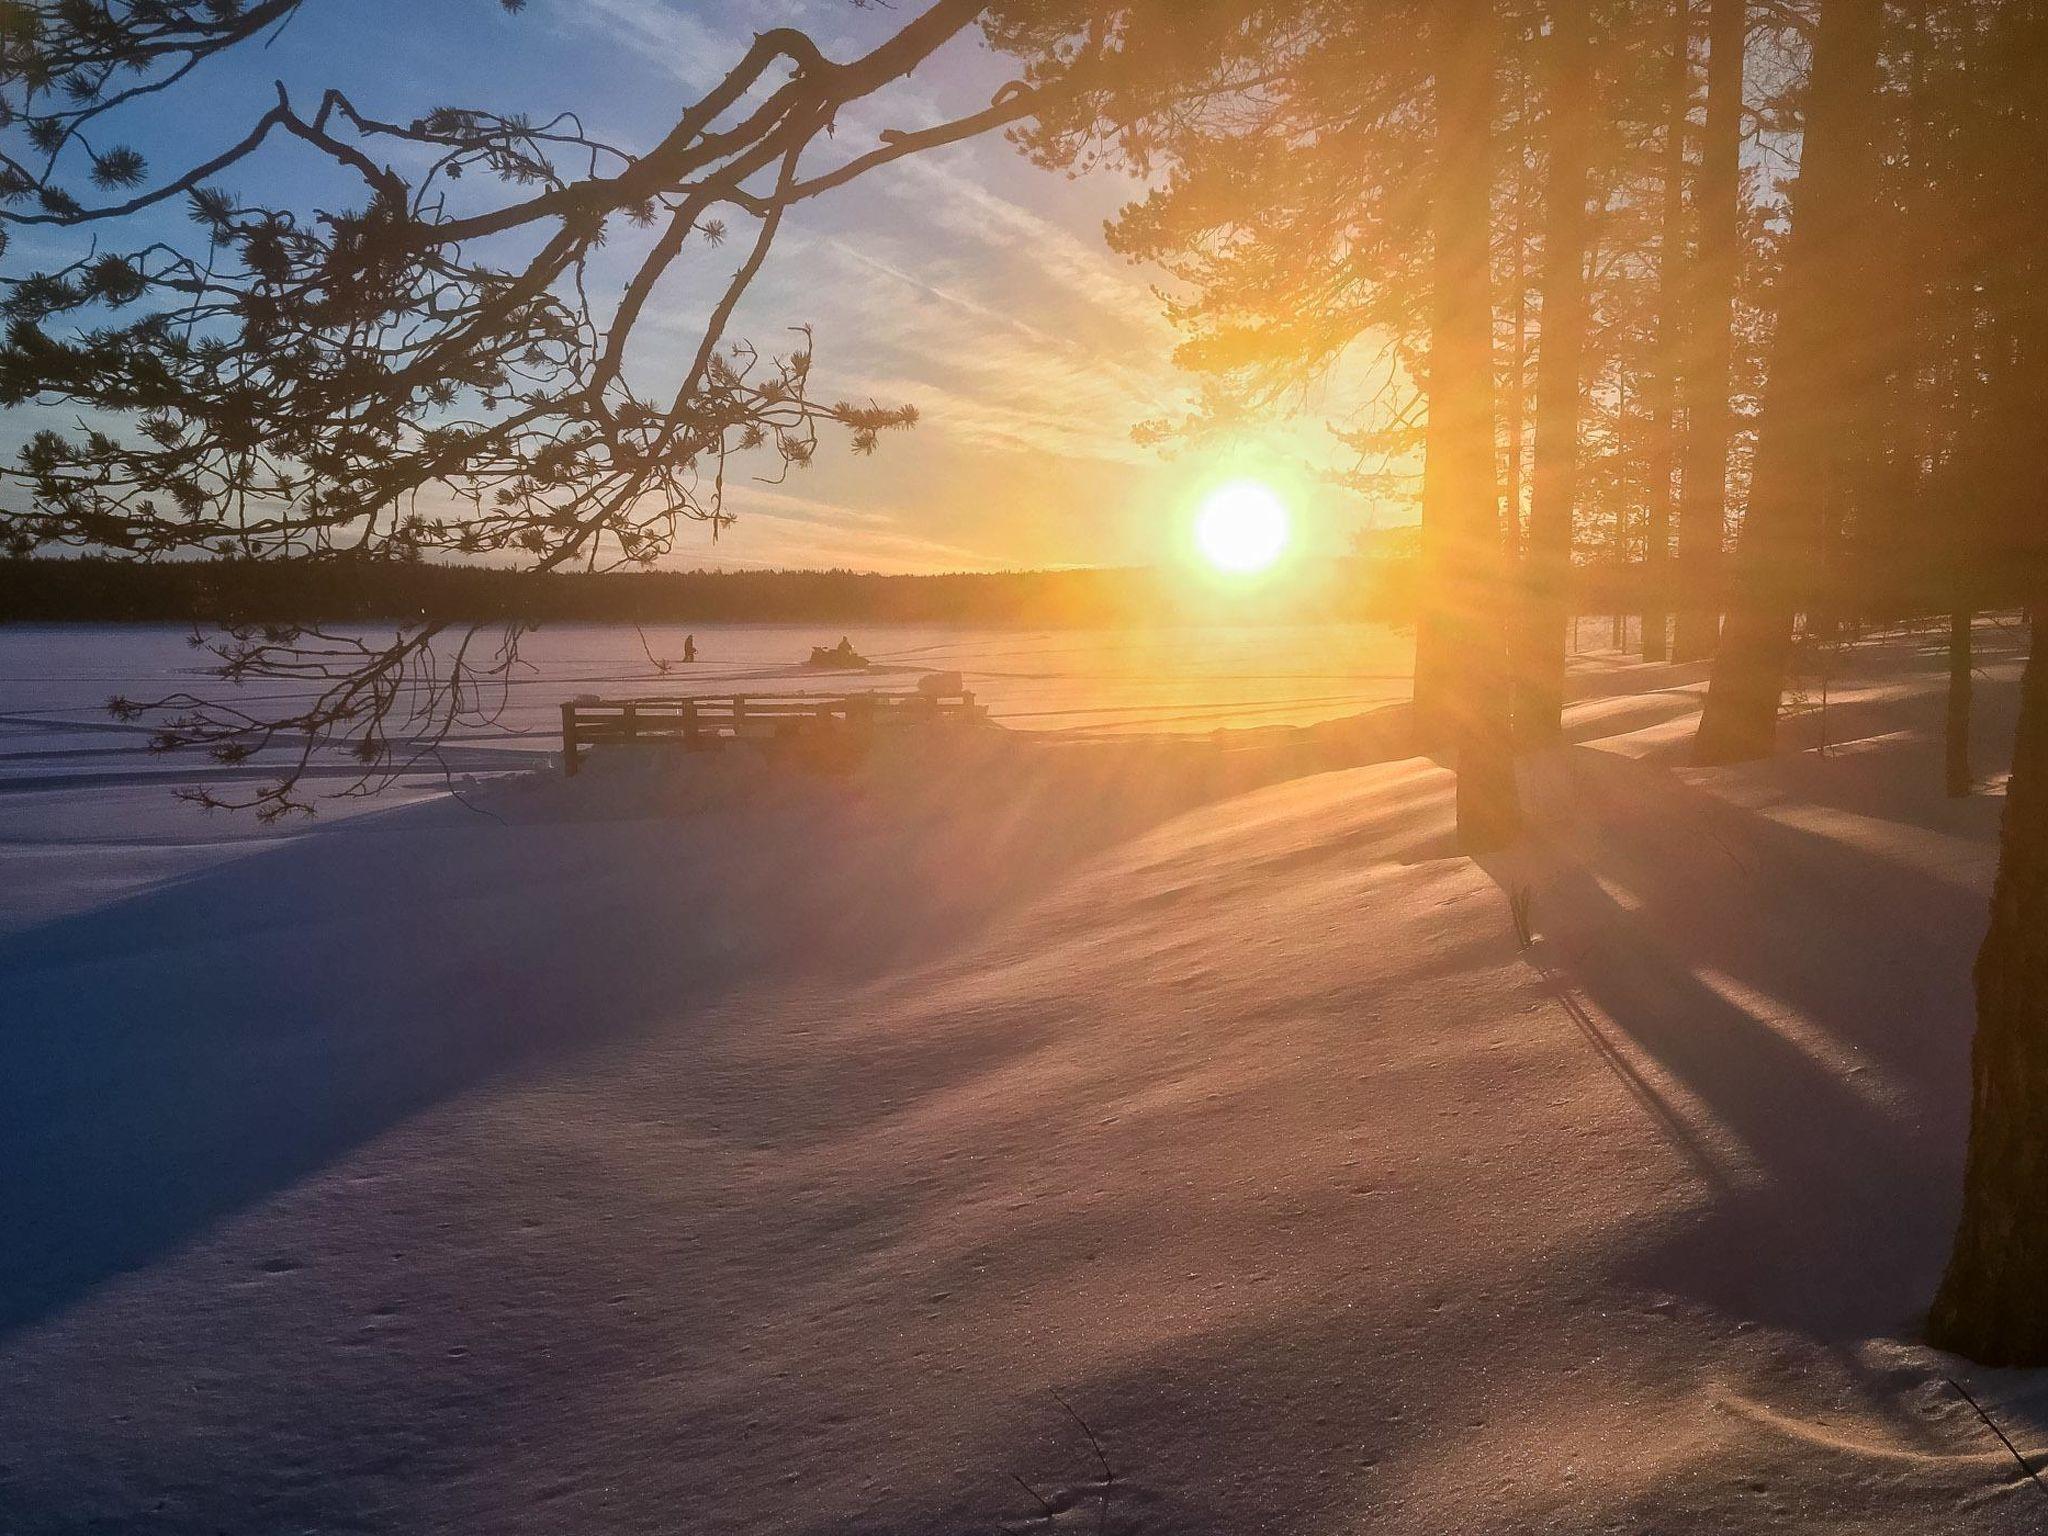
{"x": 966, "y": 282}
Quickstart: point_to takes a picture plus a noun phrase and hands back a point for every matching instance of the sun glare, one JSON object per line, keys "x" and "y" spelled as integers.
{"x": 1241, "y": 526}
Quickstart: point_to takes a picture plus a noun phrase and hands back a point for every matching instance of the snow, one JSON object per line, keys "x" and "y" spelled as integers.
{"x": 698, "y": 1145}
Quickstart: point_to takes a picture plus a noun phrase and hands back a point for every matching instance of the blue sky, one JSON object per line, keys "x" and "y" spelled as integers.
{"x": 966, "y": 282}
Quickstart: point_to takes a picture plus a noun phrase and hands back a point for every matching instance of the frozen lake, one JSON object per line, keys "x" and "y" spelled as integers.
{"x": 55, "y": 680}
{"x": 88, "y": 815}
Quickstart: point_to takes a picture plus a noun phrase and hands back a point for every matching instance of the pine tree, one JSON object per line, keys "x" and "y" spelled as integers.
{"x": 1708, "y": 374}
{"x": 1539, "y": 701}
{"x": 1819, "y": 387}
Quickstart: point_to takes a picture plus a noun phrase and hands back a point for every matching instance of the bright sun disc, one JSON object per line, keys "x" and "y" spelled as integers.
{"x": 1241, "y": 527}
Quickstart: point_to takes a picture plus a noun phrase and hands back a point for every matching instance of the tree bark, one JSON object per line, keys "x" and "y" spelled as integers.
{"x": 1717, "y": 201}
{"x": 1514, "y": 409}
{"x": 1553, "y": 478}
{"x": 1817, "y": 394}
{"x": 1993, "y": 1302}
{"x": 1956, "y": 734}
{"x": 1460, "y": 489}
{"x": 1664, "y": 452}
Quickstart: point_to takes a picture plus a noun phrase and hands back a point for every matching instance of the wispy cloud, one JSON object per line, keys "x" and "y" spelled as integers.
{"x": 1028, "y": 347}
{"x": 666, "y": 36}
{"x": 780, "y": 528}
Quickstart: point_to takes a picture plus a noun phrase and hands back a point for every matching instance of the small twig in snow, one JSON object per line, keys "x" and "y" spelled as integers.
{"x": 1050, "y": 1512}
{"x": 1108, "y": 1472}
{"x": 1521, "y": 902}
{"x": 1992, "y": 1425}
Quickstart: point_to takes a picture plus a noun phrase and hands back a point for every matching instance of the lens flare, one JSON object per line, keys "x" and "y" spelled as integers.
{"x": 1241, "y": 527}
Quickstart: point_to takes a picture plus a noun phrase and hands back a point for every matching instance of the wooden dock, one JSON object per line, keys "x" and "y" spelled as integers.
{"x": 706, "y": 721}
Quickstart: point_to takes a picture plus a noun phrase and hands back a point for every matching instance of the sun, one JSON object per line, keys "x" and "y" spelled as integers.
{"x": 1241, "y": 526}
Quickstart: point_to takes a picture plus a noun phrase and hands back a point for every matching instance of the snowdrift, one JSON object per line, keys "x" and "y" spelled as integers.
{"x": 1142, "y": 1135}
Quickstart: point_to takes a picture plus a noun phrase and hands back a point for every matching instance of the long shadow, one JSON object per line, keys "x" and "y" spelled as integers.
{"x": 172, "y": 1057}
{"x": 1847, "y": 711}
{"x": 1825, "y": 1048}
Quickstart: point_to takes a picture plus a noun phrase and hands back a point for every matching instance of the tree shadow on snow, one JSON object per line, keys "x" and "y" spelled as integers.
{"x": 1808, "y": 1057}
{"x": 172, "y": 1057}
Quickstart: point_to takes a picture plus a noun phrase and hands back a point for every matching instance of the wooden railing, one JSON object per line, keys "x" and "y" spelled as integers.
{"x": 709, "y": 720}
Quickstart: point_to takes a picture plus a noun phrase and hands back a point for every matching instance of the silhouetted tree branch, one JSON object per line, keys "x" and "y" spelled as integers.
{"x": 417, "y": 369}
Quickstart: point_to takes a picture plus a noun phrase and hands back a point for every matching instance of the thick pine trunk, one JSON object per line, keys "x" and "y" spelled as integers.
{"x": 1818, "y": 391}
{"x": 1702, "y": 507}
{"x": 1670, "y": 326}
{"x": 1553, "y": 480}
{"x": 1434, "y": 684}
{"x": 1514, "y": 409}
{"x": 1993, "y": 1303}
{"x": 1461, "y": 495}
{"x": 1956, "y": 736}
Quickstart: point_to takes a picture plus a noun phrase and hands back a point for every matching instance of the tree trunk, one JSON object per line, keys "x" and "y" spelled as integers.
{"x": 1434, "y": 684}
{"x": 1539, "y": 695}
{"x": 1702, "y": 507}
{"x": 1956, "y": 767}
{"x": 1817, "y": 395}
{"x": 1993, "y": 1303}
{"x": 1460, "y": 489}
{"x": 1514, "y": 409}
{"x": 1664, "y": 451}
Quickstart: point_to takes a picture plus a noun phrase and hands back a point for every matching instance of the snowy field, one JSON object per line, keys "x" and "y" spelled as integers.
{"x": 1070, "y": 1129}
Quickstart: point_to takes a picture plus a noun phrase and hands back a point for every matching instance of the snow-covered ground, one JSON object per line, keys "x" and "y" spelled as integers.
{"x": 700, "y": 1146}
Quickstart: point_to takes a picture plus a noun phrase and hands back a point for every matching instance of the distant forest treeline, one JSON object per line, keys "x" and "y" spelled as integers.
{"x": 1371, "y": 587}
{"x": 89, "y": 589}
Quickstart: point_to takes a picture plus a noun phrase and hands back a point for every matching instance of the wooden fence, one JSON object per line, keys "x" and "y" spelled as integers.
{"x": 698, "y": 721}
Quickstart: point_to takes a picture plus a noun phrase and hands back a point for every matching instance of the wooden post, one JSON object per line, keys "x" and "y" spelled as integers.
{"x": 569, "y": 741}
{"x": 689, "y": 722}
{"x": 632, "y": 722}
{"x": 739, "y": 715}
